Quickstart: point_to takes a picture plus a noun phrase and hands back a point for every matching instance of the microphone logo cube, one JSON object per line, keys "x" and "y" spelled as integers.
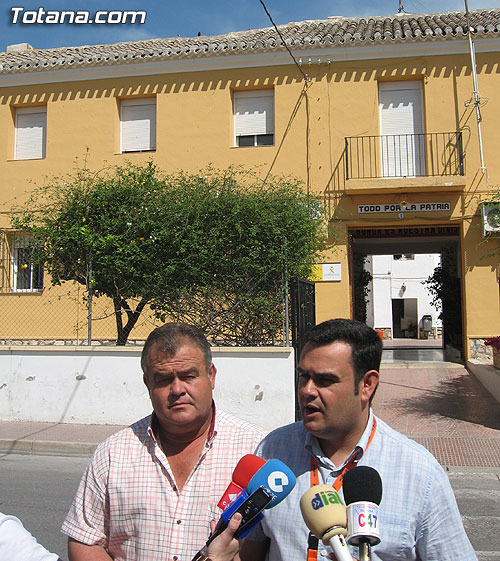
{"x": 277, "y": 481}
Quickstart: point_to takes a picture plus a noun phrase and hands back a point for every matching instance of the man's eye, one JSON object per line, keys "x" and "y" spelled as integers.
{"x": 324, "y": 382}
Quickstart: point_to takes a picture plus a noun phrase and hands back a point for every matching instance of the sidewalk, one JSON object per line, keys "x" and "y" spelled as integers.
{"x": 64, "y": 439}
{"x": 444, "y": 408}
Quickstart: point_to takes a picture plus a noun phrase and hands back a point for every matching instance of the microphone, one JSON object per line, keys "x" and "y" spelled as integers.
{"x": 362, "y": 487}
{"x": 325, "y": 515}
{"x": 242, "y": 473}
{"x": 275, "y": 476}
{"x": 270, "y": 484}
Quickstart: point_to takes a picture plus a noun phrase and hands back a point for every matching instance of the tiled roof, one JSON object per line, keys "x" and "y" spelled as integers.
{"x": 303, "y": 35}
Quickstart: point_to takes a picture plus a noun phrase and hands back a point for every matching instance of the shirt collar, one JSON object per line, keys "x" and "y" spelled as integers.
{"x": 311, "y": 444}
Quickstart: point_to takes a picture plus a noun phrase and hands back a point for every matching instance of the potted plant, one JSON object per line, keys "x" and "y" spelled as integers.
{"x": 494, "y": 343}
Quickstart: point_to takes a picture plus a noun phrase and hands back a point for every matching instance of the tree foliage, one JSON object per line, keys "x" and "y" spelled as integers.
{"x": 212, "y": 248}
{"x": 444, "y": 287}
{"x": 362, "y": 280}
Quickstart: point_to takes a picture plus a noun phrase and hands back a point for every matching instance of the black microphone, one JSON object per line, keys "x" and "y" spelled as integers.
{"x": 362, "y": 487}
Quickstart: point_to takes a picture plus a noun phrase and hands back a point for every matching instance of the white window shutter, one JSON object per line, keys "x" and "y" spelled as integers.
{"x": 254, "y": 112}
{"x": 138, "y": 125}
{"x": 401, "y": 120}
{"x": 31, "y": 133}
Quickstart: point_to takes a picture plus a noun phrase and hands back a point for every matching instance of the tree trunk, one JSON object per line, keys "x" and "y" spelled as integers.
{"x": 121, "y": 306}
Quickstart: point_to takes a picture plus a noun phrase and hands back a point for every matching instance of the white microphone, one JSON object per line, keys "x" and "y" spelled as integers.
{"x": 362, "y": 487}
{"x": 325, "y": 515}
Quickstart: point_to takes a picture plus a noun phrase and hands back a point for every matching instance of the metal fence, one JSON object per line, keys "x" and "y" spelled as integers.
{"x": 35, "y": 312}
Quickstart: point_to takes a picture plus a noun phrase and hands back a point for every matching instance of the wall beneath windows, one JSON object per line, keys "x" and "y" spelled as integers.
{"x": 104, "y": 386}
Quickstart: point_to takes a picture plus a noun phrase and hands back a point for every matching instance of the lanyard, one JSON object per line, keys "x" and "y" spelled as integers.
{"x": 312, "y": 541}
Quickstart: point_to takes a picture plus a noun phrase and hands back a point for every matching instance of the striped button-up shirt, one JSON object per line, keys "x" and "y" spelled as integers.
{"x": 418, "y": 516}
{"x": 128, "y": 502}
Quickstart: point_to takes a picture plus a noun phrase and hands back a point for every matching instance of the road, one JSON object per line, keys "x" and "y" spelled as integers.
{"x": 39, "y": 490}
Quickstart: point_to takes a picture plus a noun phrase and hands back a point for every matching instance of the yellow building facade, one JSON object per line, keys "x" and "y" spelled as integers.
{"x": 375, "y": 114}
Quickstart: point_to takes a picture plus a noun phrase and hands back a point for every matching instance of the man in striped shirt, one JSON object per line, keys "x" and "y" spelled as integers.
{"x": 151, "y": 490}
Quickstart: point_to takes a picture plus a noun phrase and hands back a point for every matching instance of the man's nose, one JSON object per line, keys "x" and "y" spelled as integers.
{"x": 176, "y": 387}
{"x": 309, "y": 388}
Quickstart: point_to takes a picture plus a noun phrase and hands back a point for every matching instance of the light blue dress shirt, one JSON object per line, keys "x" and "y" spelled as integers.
{"x": 419, "y": 517}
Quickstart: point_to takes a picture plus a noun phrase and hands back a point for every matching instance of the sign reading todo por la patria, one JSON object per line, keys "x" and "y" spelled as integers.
{"x": 399, "y": 207}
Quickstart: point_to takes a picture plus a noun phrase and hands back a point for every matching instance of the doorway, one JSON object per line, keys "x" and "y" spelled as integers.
{"x": 423, "y": 309}
{"x": 405, "y": 318}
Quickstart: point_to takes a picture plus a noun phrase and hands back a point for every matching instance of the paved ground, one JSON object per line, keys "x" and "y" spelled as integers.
{"x": 443, "y": 407}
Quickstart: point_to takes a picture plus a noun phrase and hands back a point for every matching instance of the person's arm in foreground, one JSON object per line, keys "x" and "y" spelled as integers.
{"x": 223, "y": 548}
{"x": 16, "y": 543}
{"x": 78, "y": 551}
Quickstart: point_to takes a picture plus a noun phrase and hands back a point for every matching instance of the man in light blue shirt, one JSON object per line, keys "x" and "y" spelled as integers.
{"x": 418, "y": 516}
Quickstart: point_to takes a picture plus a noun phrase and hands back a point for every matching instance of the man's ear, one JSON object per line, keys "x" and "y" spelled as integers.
{"x": 211, "y": 374}
{"x": 145, "y": 379}
{"x": 368, "y": 385}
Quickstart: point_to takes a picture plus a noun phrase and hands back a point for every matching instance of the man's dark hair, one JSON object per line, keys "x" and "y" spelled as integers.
{"x": 364, "y": 341}
{"x": 172, "y": 336}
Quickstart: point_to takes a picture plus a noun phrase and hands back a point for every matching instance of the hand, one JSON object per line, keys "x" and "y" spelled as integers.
{"x": 226, "y": 546}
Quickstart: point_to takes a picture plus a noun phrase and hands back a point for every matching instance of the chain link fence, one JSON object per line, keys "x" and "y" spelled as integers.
{"x": 34, "y": 312}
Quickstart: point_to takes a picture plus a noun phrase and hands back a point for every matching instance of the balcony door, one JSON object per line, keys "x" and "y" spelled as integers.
{"x": 402, "y": 129}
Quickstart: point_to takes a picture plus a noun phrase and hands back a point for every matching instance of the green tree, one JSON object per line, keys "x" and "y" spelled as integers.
{"x": 212, "y": 248}
{"x": 444, "y": 287}
{"x": 362, "y": 279}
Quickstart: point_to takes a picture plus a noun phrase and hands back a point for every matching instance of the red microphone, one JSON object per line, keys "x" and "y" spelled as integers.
{"x": 244, "y": 471}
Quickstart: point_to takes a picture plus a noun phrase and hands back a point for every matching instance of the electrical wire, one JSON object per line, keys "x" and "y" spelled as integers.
{"x": 306, "y": 77}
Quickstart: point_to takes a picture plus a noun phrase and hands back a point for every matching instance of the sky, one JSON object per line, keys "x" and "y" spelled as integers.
{"x": 187, "y": 18}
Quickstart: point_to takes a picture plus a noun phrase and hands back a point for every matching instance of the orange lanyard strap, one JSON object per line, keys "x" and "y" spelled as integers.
{"x": 312, "y": 541}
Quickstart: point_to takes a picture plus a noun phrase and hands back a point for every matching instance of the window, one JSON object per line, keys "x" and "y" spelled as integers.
{"x": 138, "y": 125}
{"x": 402, "y": 128}
{"x": 254, "y": 118}
{"x": 27, "y": 275}
{"x": 31, "y": 133}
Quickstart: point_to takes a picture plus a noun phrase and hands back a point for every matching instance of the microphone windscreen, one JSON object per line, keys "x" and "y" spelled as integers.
{"x": 275, "y": 476}
{"x": 246, "y": 468}
{"x": 362, "y": 484}
{"x": 323, "y": 512}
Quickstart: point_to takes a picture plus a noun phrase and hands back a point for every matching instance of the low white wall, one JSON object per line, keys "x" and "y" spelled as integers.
{"x": 488, "y": 375}
{"x": 103, "y": 385}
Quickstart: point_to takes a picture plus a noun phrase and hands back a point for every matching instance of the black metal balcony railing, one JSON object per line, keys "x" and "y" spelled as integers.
{"x": 404, "y": 155}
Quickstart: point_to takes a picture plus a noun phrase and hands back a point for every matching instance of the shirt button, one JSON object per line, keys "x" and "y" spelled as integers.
{"x": 322, "y": 553}
{"x": 179, "y": 521}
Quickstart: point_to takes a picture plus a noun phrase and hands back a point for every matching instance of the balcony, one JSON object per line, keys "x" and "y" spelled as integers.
{"x": 420, "y": 162}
